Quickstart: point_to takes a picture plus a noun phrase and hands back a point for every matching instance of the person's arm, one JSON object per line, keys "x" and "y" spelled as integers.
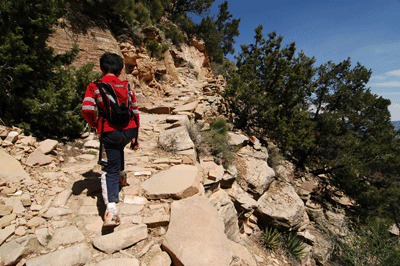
{"x": 135, "y": 111}
{"x": 88, "y": 106}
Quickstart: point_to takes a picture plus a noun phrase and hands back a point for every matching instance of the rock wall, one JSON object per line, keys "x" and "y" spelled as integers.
{"x": 150, "y": 77}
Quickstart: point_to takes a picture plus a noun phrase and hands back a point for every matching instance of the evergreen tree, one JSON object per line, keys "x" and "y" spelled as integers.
{"x": 38, "y": 92}
{"x": 355, "y": 139}
{"x": 197, "y": 7}
{"x": 270, "y": 92}
{"x": 219, "y": 34}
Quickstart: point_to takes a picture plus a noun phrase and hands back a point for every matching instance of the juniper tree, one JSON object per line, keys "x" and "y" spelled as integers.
{"x": 270, "y": 92}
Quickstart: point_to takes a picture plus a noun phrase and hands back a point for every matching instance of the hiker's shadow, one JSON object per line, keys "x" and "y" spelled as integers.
{"x": 91, "y": 186}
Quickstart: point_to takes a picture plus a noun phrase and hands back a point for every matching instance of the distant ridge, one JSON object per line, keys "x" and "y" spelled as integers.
{"x": 396, "y": 124}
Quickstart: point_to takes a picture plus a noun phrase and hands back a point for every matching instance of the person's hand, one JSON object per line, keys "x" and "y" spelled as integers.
{"x": 134, "y": 145}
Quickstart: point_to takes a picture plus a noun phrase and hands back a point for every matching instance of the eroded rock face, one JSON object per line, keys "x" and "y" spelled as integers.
{"x": 195, "y": 235}
{"x": 281, "y": 206}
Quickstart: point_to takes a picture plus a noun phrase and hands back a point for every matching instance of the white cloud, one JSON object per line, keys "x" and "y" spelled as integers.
{"x": 387, "y": 84}
{"x": 394, "y": 73}
{"x": 386, "y": 75}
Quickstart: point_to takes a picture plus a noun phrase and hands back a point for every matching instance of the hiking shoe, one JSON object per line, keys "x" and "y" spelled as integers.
{"x": 111, "y": 219}
{"x": 123, "y": 181}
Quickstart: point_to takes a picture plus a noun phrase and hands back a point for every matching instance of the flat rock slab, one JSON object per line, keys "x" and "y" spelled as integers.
{"x": 66, "y": 235}
{"x": 119, "y": 262}
{"x": 13, "y": 251}
{"x": 10, "y": 169}
{"x": 195, "y": 235}
{"x": 6, "y": 233}
{"x": 38, "y": 158}
{"x": 189, "y": 107}
{"x": 178, "y": 182}
{"x": 48, "y": 145}
{"x": 75, "y": 255}
{"x": 121, "y": 239}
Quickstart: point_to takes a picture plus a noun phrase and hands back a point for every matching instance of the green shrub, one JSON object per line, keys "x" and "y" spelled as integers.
{"x": 294, "y": 245}
{"x": 271, "y": 238}
{"x": 368, "y": 244}
{"x": 156, "y": 49}
{"x": 217, "y": 138}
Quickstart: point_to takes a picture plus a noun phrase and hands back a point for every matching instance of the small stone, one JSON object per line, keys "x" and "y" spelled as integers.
{"x": 5, "y": 210}
{"x": 6, "y": 220}
{"x": 156, "y": 220}
{"x": 20, "y": 231}
{"x": 35, "y": 222}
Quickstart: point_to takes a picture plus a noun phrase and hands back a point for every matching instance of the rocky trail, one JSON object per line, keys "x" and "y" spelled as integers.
{"x": 179, "y": 208}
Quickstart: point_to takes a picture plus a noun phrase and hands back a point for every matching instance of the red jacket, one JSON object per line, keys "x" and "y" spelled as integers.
{"x": 93, "y": 98}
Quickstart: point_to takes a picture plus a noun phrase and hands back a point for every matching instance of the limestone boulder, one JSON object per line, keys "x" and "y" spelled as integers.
{"x": 178, "y": 182}
{"x": 281, "y": 207}
{"x": 226, "y": 209}
{"x": 195, "y": 235}
{"x": 177, "y": 139}
{"x": 258, "y": 176}
{"x": 10, "y": 169}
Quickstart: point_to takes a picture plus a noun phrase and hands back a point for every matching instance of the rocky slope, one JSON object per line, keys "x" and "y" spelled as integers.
{"x": 181, "y": 207}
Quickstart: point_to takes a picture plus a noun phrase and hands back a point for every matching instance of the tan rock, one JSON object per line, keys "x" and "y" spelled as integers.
{"x": 35, "y": 222}
{"x": 226, "y": 209}
{"x": 38, "y": 158}
{"x": 12, "y": 136}
{"x": 281, "y": 206}
{"x": 258, "y": 175}
{"x": 195, "y": 235}
{"x": 157, "y": 220}
{"x": 243, "y": 254}
{"x": 120, "y": 239}
{"x": 76, "y": 255}
{"x": 177, "y": 139}
{"x": 5, "y": 210}
{"x": 48, "y": 145}
{"x": 10, "y": 169}
{"x": 6, "y": 220}
{"x": 178, "y": 182}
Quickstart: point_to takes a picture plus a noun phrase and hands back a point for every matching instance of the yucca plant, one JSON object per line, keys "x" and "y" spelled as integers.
{"x": 271, "y": 238}
{"x": 294, "y": 245}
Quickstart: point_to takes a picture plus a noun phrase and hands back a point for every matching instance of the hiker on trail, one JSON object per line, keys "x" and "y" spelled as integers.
{"x": 118, "y": 126}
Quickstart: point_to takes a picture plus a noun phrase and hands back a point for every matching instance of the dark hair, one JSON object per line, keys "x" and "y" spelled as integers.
{"x": 111, "y": 63}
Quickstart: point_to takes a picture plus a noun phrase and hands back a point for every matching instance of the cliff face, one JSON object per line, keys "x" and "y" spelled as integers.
{"x": 151, "y": 78}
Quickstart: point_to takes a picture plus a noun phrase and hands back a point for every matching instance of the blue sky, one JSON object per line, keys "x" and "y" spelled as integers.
{"x": 366, "y": 31}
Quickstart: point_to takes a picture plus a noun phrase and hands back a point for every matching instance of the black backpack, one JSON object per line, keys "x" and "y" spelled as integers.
{"x": 117, "y": 114}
